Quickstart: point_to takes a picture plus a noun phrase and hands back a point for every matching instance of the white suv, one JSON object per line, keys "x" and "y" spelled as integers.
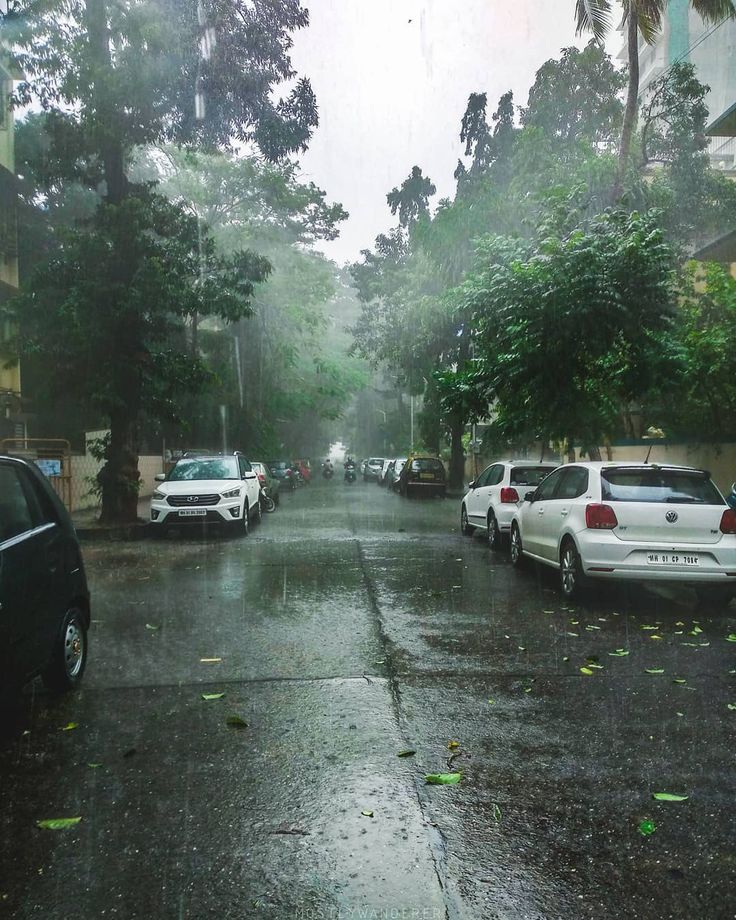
{"x": 491, "y": 500}
{"x": 636, "y": 521}
{"x": 216, "y": 489}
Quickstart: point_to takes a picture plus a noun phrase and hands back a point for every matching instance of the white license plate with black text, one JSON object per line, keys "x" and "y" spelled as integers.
{"x": 193, "y": 512}
{"x": 682, "y": 559}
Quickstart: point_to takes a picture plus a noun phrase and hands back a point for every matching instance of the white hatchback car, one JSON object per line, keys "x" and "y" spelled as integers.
{"x": 215, "y": 489}
{"x": 635, "y": 521}
{"x": 491, "y": 499}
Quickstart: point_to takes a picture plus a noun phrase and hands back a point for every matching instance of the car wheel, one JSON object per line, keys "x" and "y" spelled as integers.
{"x": 465, "y": 527}
{"x": 69, "y": 657}
{"x": 517, "y": 549}
{"x": 257, "y": 513}
{"x": 495, "y": 539}
{"x": 715, "y": 596}
{"x": 572, "y": 579}
{"x": 241, "y": 527}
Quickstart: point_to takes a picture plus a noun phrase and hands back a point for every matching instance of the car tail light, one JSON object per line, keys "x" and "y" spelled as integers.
{"x": 600, "y": 517}
{"x": 509, "y": 496}
{"x": 262, "y": 479}
{"x": 728, "y": 521}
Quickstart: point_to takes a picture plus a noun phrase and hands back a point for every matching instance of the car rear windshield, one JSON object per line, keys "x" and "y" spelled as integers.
{"x": 219, "y": 468}
{"x": 670, "y": 486}
{"x": 427, "y": 465}
{"x": 278, "y": 465}
{"x": 529, "y": 475}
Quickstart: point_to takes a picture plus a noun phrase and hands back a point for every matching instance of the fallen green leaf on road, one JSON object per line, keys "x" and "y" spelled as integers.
{"x": 592, "y": 627}
{"x": 732, "y": 706}
{"x": 669, "y": 797}
{"x": 598, "y": 667}
{"x": 586, "y": 671}
{"x": 731, "y": 637}
{"x": 367, "y": 814}
{"x": 453, "y": 745}
{"x": 152, "y": 627}
{"x": 654, "y": 670}
{"x": 619, "y": 653}
{"x": 57, "y": 824}
{"x": 212, "y": 696}
{"x": 236, "y": 722}
{"x": 70, "y": 726}
{"x": 496, "y": 812}
{"x": 408, "y": 753}
{"x": 443, "y": 779}
{"x": 647, "y": 827}
{"x": 655, "y": 637}
{"x": 680, "y": 714}
{"x": 210, "y": 660}
{"x": 651, "y": 628}
{"x": 94, "y": 765}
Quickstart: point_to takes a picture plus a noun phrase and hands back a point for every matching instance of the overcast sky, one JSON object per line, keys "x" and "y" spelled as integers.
{"x": 392, "y": 78}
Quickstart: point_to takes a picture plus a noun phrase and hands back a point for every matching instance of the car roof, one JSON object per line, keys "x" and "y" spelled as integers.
{"x": 632, "y": 464}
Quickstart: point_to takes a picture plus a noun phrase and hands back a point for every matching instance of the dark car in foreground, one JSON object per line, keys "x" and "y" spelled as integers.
{"x": 44, "y": 599}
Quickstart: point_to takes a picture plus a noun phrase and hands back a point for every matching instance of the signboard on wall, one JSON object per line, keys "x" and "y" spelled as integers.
{"x": 49, "y": 467}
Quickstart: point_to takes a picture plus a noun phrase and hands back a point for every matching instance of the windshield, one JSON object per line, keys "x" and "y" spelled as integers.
{"x": 529, "y": 475}
{"x": 671, "y": 486}
{"x": 220, "y": 468}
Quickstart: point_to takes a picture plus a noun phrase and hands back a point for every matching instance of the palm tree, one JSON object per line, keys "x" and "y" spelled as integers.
{"x": 643, "y": 16}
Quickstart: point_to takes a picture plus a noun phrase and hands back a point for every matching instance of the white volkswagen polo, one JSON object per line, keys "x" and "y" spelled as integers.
{"x": 216, "y": 489}
{"x": 642, "y": 522}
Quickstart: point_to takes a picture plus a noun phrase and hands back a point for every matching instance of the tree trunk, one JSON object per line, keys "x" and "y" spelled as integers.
{"x": 457, "y": 454}
{"x": 119, "y": 478}
{"x": 632, "y": 103}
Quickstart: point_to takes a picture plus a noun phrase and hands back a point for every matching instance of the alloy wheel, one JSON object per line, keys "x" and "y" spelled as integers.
{"x": 73, "y": 649}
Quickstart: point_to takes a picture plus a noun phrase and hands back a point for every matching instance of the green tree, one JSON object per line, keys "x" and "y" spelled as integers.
{"x": 411, "y": 199}
{"x": 115, "y": 76}
{"x": 640, "y": 17}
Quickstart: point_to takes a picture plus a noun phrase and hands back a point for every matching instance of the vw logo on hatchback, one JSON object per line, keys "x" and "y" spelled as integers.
{"x": 671, "y": 517}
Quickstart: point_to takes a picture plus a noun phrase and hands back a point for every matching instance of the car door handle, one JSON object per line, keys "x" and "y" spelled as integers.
{"x": 540, "y": 510}
{"x": 563, "y": 512}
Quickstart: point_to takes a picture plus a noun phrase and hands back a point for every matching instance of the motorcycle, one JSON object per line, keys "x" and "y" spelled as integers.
{"x": 267, "y": 503}
{"x": 327, "y": 472}
{"x": 350, "y": 474}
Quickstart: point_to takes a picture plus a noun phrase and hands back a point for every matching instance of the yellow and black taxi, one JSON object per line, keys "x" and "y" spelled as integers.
{"x": 423, "y": 474}
{"x": 44, "y": 600}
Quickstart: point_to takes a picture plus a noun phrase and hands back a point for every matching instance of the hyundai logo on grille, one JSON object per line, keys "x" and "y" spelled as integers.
{"x": 671, "y": 517}
{"x": 193, "y": 498}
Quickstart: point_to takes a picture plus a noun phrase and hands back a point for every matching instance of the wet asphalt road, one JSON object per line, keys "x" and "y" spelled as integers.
{"x": 348, "y": 627}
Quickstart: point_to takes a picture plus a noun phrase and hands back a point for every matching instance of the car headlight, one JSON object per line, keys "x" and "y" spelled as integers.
{"x": 233, "y": 493}
{"x": 158, "y": 496}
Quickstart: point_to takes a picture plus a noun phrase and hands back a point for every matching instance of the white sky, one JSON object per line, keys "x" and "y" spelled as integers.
{"x": 392, "y": 79}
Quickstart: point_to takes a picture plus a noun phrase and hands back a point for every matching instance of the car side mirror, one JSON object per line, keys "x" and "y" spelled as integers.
{"x": 471, "y": 485}
{"x": 160, "y": 477}
{"x": 530, "y": 496}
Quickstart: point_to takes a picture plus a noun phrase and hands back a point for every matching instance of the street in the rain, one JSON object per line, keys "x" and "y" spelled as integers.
{"x": 260, "y": 713}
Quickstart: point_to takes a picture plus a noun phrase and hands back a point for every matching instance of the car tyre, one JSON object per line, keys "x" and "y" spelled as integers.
{"x": 465, "y": 527}
{"x": 241, "y": 527}
{"x": 495, "y": 537}
{"x": 257, "y": 513}
{"x": 715, "y": 596}
{"x": 69, "y": 657}
{"x": 517, "y": 547}
{"x": 573, "y": 581}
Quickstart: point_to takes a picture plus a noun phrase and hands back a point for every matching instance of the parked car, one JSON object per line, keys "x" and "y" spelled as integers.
{"x": 491, "y": 500}
{"x": 639, "y": 522}
{"x": 373, "y": 467}
{"x": 268, "y": 481}
{"x": 45, "y": 609}
{"x": 423, "y": 474}
{"x": 381, "y": 478}
{"x": 222, "y": 489}
{"x": 393, "y": 473}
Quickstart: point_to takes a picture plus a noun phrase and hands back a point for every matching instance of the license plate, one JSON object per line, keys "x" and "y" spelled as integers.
{"x": 193, "y": 512}
{"x": 426, "y": 475}
{"x": 682, "y": 559}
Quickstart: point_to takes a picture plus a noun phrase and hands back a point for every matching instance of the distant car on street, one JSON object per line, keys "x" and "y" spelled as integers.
{"x": 221, "y": 489}
{"x": 630, "y": 521}
{"x": 381, "y": 478}
{"x": 491, "y": 499}
{"x": 373, "y": 468}
{"x": 45, "y": 603}
{"x": 423, "y": 474}
{"x": 394, "y": 472}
